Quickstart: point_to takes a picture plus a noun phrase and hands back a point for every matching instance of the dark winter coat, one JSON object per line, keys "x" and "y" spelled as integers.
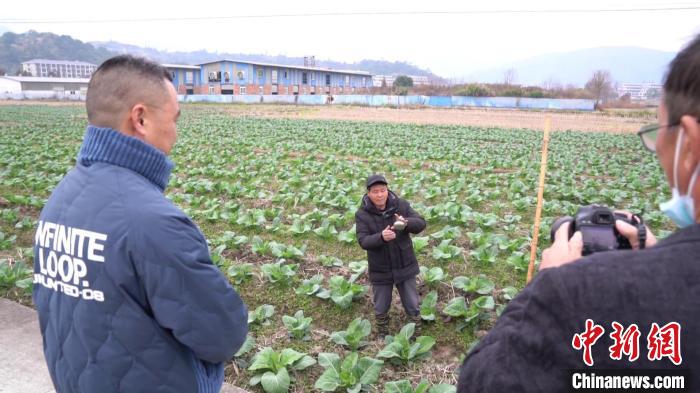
{"x": 393, "y": 261}
{"x": 530, "y": 349}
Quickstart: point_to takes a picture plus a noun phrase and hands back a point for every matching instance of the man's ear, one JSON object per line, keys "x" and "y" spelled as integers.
{"x": 690, "y": 126}
{"x": 137, "y": 120}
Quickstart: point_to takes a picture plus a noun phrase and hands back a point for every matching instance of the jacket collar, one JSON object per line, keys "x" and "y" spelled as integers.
{"x": 112, "y": 147}
{"x": 391, "y": 202}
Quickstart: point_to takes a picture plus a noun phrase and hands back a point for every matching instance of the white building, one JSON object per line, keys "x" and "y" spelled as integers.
{"x": 640, "y": 91}
{"x": 58, "y": 87}
{"x": 58, "y": 68}
{"x": 10, "y": 85}
{"x": 377, "y": 80}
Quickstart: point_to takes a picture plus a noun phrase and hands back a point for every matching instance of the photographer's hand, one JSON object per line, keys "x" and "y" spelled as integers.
{"x": 388, "y": 235}
{"x": 563, "y": 250}
{"x": 632, "y": 234}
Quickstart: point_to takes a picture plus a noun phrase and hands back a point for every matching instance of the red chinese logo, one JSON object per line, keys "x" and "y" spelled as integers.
{"x": 586, "y": 340}
{"x": 662, "y": 342}
{"x": 665, "y": 342}
{"x": 626, "y": 342}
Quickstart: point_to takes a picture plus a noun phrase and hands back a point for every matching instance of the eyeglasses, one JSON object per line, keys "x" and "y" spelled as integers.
{"x": 649, "y": 133}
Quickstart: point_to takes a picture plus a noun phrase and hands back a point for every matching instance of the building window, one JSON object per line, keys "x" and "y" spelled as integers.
{"x": 260, "y": 74}
{"x": 241, "y": 75}
{"x": 260, "y": 88}
{"x": 227, "y": 76}
{"x": 189, "y": 76}
{"x": 313, "y": 76}
{"x": 296, "y": 89}
{"x": 212, "y": 76}
{"x": 303, "y": 78}
{"x": 274, "y": 77}
{"x": 328, "y": 79}
{"x": 241, "y": 90}
{"x": 286, "y": 75}
{"x": 274, "y": 89}
{"x": 347, "y": 80}
{"x": 212, "y": 90}
{"x": 364, "y": 81}
{"x": 172, "y": 75}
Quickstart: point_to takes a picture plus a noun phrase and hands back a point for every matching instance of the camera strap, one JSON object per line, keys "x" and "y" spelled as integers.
{"x": 641, "y": 231}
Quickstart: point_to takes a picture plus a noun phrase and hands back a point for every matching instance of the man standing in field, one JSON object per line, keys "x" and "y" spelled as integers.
{"x": 127, "y": 296}
{"x": 383, "y": 224}
{"x": 627, "y": 315}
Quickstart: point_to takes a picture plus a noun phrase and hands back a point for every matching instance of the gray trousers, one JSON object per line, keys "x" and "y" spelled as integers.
{"x": 407, "y": 291}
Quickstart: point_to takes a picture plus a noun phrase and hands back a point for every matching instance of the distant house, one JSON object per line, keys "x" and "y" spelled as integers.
{"x": 58, "y": 68}
{"x": 185, "y": 77}
{"x": 378, "y": 80}
{"x": 42, "y": 85}
{"x": 640, "y": 91}
{"x": 246, "y": 77}
{"x": 10, "y": 85}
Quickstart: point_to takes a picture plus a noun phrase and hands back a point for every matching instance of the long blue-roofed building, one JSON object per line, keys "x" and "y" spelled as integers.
{"x": 246, "y": 77}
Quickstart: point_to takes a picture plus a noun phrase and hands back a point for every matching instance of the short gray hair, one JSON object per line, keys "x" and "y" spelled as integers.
{"x": 120, "y": 83}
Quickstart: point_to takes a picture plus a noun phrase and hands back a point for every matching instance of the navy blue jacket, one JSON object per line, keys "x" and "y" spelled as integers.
{"x": 127, "y": 296}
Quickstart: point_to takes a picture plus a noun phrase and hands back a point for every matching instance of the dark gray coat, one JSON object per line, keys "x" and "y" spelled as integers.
{"x": 394, "y": 261}
{"x": 530, "y": 348}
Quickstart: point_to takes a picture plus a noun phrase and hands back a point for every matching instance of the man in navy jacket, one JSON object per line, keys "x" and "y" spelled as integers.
{"x": 629, "y": 312}
{"x": 127, "y": 296}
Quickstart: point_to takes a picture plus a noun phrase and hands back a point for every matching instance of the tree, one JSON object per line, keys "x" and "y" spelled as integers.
{"x": 403, "y": 81}
{"x": 600, "y": 86}
{"x": 401, "y": 85}
{"x": 509, "y": 76}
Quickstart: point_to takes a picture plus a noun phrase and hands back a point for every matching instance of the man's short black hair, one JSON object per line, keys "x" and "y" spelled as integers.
{"x": 682, "y": 83}
{"x": 120, "y": 83}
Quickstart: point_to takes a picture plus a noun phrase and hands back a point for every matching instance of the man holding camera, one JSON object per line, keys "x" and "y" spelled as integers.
{"x": 127, "y": 295}
{"x": 626, "y": 310}
{"x": 383, "y": 224}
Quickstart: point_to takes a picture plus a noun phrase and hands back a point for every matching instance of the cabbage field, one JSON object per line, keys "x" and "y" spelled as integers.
{"x": 276, "y": 199}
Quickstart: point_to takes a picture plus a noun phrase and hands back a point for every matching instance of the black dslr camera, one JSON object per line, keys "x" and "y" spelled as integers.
{"x": 597, "y": 226}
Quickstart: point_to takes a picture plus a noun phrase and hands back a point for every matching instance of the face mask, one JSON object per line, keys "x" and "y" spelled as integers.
{"x": 681, "y": 208}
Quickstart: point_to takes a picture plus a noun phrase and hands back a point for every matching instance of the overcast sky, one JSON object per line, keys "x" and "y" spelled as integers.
{"x": 453, "y": 38}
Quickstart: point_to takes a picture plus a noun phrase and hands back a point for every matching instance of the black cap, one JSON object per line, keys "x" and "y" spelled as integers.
{"x": 376, "y": 179}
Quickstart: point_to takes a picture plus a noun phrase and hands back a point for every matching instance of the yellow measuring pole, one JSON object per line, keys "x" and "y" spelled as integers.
{"x": 540, "y": 196}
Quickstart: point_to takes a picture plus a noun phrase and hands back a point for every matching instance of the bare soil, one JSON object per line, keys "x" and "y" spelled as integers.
{"x": 611, "y": 121}
{"x": 614, "y": 121}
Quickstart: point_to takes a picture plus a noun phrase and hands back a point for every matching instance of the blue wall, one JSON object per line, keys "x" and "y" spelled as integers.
{"x": 382, "y": 100}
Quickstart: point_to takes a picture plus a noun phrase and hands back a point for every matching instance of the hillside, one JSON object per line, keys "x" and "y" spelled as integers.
{"x": 375, "y": 67}
{"x": 16, "y": 48}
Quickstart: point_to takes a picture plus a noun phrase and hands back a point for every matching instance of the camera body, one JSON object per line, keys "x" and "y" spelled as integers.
{"x": 389, "y": 213}
{"x": 597, "y": 226}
